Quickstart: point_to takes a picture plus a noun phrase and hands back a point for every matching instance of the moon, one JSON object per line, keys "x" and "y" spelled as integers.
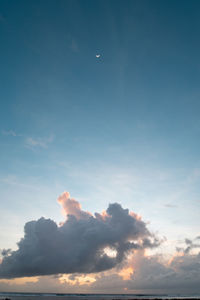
{"x": 98, "y": 55}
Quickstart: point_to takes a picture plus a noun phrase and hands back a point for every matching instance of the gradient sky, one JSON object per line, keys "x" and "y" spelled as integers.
{"x": 123, "y": 127}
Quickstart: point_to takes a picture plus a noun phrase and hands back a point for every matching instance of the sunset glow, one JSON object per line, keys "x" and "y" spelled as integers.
{"x": 99, "y": 148}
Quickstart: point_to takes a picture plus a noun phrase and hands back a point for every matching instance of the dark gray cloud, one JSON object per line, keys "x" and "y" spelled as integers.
{"x": 190, "y": 244}
{"x": 78, "y": 244}
{"x": 5, "y": 252}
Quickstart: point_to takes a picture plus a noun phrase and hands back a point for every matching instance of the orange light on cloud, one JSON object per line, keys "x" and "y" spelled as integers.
{"x": 126, "y": 273}
{"x": 78, "y": 280}
{"x": 104, "y": 214}
{"x": 70, "y": 206}
{"x": 134, "y": 215}
{"x": 177, "y": 254}
{"x": 20, "y": 281}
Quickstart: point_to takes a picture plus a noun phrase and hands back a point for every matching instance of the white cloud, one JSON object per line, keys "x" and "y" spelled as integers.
{"x": 9, "y": 132}
{"x": 31, "y": 142}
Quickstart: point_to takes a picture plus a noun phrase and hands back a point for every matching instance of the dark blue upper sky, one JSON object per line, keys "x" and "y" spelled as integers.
{"x": 148, "y": 71}
{"x": 70, "y": 120}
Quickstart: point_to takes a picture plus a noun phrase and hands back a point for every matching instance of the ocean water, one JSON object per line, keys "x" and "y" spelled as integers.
{"x": 52, "y": 296}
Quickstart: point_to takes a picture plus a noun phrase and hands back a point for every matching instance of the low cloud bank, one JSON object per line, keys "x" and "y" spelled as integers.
{"x": 151, "y": 275}
{"x": 77, "y": 245}
{"x": 180, "y": 274}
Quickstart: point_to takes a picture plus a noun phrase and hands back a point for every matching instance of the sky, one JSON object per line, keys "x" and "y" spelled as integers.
{"x": 100, "y": 105}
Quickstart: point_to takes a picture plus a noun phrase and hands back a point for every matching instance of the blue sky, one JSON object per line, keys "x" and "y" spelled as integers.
{"x": 123, "y": 127}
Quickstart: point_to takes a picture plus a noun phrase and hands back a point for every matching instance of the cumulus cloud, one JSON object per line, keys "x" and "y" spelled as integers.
{"x": 150, "y": 274}
{"x": 72, "y": 207}
{"x": 77, "y": 245}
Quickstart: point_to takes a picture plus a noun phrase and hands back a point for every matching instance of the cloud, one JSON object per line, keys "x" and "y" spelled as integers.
{"x": 150, "y": 274}
{"x": 169, "y": 205}
{"x": 182, "y": 274}
{"x": 190, "y": 244}
{"x": 5, "y": 252}
{"x": 30, "y": 142}
{"x": 77, "y": 245}
{"x": 74, "y": 46}
{"x": 9, "y": 132}
{"x": 72, "y": 207}
{"x": 38, "y": 142}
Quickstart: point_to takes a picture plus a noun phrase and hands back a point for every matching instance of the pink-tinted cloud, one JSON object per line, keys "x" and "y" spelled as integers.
{"x": 71, "y": 206}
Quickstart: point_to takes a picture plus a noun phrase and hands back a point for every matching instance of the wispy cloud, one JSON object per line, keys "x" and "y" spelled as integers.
{"x": 31, "y": 142}
{"x": 74, "y": 46}
{"x": 9, "y": 132}
{"x": 13, "y": 180}
{"x": 169, "y": 205}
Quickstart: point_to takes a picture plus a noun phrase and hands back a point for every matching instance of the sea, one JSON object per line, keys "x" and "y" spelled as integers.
{"x": 52, "y": 296}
